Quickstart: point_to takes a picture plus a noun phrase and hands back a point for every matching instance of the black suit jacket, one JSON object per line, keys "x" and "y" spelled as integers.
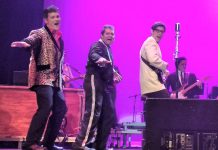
{"x": 96, "y": 51}
{"x": 191, "y": 79}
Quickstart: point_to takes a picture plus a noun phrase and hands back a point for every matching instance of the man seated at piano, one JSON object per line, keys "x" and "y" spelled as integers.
{"x": 186, "y": 84}
{"x": 68, "y": 76}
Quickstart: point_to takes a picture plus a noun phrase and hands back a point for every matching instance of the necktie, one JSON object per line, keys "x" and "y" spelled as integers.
{"x": 182, "y": 78}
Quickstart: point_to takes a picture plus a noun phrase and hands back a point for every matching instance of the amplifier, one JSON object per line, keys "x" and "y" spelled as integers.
{"x": 191, "y": 121}
{"x": 214, "y": 92}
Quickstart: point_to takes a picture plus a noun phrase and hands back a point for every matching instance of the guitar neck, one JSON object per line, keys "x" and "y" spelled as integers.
{"x": 75, "y": 78}
{"x": 194, "y": 84}
{"x": 189, "y": 88}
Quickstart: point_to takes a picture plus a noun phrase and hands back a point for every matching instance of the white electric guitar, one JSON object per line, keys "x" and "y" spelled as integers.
{"x": 183, "y": 90}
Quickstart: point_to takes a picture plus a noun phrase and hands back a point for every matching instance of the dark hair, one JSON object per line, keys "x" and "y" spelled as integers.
{"x": 48, "y": 10}
{"x": 158, "y": 24}
{"x": 179, "y": 60}
{"x": 107, "y": 27}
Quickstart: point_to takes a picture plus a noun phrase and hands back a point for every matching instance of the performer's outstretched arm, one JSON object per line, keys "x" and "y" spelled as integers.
{"x": 20, "y": 44}
{"x": 33, "y": 39}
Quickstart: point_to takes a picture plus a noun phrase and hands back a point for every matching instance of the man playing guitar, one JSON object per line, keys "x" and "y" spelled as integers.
{"x": 188, "y": 85}
{"x": 68, "y": 76}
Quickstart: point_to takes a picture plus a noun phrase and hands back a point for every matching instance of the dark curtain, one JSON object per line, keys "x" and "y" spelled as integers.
{"x": 17, "y": 19}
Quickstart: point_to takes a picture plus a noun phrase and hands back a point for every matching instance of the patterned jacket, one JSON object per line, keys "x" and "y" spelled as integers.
{"x": 46, "y": 59}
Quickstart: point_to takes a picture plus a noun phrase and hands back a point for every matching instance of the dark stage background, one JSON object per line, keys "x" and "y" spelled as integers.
{"x": 17, "y": 19}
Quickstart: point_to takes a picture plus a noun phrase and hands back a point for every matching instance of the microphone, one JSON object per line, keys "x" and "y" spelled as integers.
{"x": 177, "y": 27}
{"x": 177, "y": 30}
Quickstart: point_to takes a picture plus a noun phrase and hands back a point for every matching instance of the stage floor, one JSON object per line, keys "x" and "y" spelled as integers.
{"x": 70, "y": 149}
{"x": 67, "y": 146}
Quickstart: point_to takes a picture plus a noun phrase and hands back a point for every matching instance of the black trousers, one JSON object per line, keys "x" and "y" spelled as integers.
{"x": 98, "y": 118}
{"x": 159, "y": 94}
{"x": 49, "y": 99}
{"x": 114, "y": 96}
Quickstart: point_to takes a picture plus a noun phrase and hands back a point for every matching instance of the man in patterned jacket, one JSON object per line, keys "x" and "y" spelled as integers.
{"x": 45, "y": 79}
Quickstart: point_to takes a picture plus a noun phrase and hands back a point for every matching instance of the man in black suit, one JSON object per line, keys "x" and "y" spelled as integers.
{"x": 184, "y": 82}
{"x": 99, "y": 94}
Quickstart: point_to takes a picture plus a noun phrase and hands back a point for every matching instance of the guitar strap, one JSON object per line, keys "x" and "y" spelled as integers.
{"x": 156, "y": 70}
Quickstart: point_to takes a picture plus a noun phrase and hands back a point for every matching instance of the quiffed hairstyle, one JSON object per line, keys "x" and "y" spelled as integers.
{"x": 179, "y": 60}
{"x": 48, "y": 10}
{"x": 107, "y": 27}
{"x": 158, "y": 24}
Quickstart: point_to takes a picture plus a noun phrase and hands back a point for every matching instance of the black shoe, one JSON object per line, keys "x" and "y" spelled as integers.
{"x": 55, "y": 147}
{"x": 33, "y": 147}
{"x": 77, "y": 147}
{"x": 90, "y": 146}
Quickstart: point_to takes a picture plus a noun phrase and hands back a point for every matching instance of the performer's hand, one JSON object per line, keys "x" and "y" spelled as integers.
{"x": 117, "y": 77}
{"x": 166, "y": 73}
{"x": 173, "y": 95}
{"x": 82, "y": 76}
{"x": 199, "y": 83}
{"x": 19, "y": 44}
{"x": 66, "y": 78}
{"x": 103, "y": 61}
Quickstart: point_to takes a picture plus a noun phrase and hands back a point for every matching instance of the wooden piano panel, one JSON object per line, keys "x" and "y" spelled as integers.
{"x": 18, "y": 104}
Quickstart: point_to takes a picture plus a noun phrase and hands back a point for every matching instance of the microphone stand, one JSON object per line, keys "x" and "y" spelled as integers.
{"x": 134, "y": 105}
{"x": 176, "y": 56}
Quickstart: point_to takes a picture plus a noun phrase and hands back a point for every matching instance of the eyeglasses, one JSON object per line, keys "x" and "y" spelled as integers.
{"x": 159, "y": 31}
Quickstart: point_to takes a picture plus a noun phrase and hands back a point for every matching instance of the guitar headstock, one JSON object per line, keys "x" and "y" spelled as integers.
{"x": 206, "y": 78}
